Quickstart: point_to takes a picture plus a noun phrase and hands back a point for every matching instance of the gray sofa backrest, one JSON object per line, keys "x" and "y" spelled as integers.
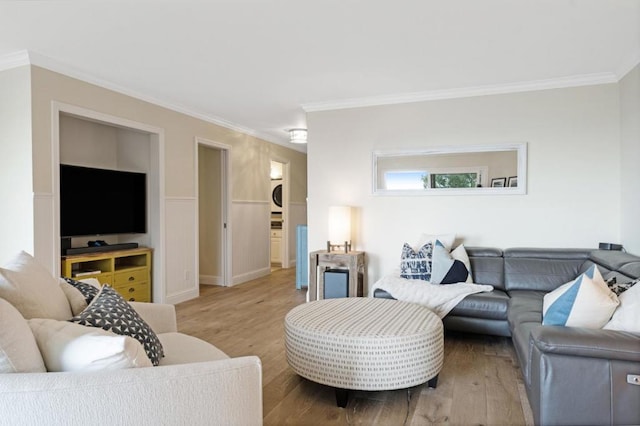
{"x": 541, "y": 269}
{"x": 623, "y": 266}
{"x": 545, "y": 269}
{"x": 487, "y": 266}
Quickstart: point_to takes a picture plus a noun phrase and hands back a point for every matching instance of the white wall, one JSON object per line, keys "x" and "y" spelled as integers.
{"x": 16, "y": 183}
{"x": 573, "y": 197}
{"x": 630, "y": 160}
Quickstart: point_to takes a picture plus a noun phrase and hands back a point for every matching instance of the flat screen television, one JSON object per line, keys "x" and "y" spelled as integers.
{"x": 101, "y": 202}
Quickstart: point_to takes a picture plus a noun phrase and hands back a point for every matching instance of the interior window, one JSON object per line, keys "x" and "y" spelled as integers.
{"x": 432, "y": 179}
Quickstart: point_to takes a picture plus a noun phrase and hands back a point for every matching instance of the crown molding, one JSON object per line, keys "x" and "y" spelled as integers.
{"x": 464, "y": 92}
{"x": 14, "y": 60}
{"x": 630, "y": 63}
{"x": 25, "y": 57}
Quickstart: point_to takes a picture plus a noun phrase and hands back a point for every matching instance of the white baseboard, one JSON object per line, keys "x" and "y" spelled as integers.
{"x": 210, "y": 280}
{"x": 182, "y": 296}
{"x": 238, "y": 279}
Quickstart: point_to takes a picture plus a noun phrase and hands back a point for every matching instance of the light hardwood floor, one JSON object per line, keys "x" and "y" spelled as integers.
{"x": 480, "y": 383}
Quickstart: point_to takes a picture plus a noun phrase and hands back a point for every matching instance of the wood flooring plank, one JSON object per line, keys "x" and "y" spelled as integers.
{"x": 469, "y": 387}
{"x": 503, "y": 399}
{"x": 434, "y": 405}
{"x": 480, "y": 382}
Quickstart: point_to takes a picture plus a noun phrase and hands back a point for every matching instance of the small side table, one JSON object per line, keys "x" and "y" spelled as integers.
{"x": 353, "y": 261}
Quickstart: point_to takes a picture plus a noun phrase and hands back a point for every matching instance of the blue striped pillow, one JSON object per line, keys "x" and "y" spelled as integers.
{"x": 583, "y": 302}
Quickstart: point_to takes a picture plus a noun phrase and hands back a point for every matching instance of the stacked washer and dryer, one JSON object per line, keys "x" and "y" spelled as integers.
{"x": 276, "y": 221}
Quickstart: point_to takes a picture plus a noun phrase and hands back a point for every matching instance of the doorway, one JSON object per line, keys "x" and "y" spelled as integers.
{"x": 213, "y": 212}
{"x": 279, "y": 200}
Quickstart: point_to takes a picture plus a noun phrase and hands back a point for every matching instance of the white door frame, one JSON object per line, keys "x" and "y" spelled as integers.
{"x": 226, "y": 240}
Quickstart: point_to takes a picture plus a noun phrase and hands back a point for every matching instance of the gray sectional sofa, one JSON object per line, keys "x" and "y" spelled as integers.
{"x": 573, "y": 376}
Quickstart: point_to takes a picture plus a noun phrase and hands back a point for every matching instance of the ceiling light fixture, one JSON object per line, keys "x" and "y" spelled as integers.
{"x": 298, "y": 135}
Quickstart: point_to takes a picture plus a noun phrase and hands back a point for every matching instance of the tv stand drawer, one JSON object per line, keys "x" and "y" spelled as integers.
{"x": 132, "y": 276}
{"x": 138, "y": 292}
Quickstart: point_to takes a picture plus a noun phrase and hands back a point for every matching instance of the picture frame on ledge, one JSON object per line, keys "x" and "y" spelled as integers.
{"x": 498, "y": 182}
{"x": 512, "y": 182}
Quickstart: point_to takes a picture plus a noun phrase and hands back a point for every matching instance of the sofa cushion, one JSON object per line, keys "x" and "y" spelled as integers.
{"x": 416, "y": 264}
{"x": 490, "y": 305}
{"x": 183, "y": 349}
{"x": 66, "y": 346}
{"x": 449, "y": 268}
{"x": 110, "y": 311}
{"x": 583, "y": 302}
{"x": 32, "y": 290}
{"x": 524, "y": 306}
{"x": 18, "y": 349}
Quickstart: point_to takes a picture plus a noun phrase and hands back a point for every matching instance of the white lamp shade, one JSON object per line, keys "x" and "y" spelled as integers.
{"x": 339, "y": 224}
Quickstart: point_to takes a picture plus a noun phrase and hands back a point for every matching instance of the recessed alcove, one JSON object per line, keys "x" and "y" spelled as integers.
{"x": 90, "y": 139}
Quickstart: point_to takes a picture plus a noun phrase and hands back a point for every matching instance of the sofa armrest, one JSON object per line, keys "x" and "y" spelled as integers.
{"x": 161, "y": 317}
{"x": 606, "y": 344}
{"x": 581, "y": 376}
{"x": 225, "y": 392}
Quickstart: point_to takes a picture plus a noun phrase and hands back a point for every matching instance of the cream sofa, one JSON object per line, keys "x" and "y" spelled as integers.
{"x": 195, "y": 383}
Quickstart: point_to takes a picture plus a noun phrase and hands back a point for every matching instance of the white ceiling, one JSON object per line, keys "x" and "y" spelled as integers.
{"x": 257, "y": 65}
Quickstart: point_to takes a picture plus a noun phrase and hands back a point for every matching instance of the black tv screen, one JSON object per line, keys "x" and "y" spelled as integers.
{"x": 101, "y": 202}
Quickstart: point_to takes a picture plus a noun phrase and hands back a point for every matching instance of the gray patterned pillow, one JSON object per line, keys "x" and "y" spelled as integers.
{"x": 416, "y": 265}
{"x": 618, "y": 289}
{"x": 87, "y": 290}
{"x": 109, "y": 311}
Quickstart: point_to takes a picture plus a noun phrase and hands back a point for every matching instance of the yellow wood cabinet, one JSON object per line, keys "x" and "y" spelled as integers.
{"x": 127, "y": 271}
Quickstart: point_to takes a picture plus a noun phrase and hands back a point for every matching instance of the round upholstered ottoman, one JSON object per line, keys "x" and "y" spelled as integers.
{"x": 363, "y": 343}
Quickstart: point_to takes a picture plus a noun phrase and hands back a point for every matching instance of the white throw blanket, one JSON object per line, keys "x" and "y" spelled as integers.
{"x": 439, "y": 298}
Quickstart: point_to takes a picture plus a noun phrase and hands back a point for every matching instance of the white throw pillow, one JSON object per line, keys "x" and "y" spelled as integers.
{"x": 460, "y": 253}
{"x": 586, "y": 301}
{"x": 446, "y": 240}
{"x": 18, "y": 350}
{"x": 66, "y": 346}
{"x": 448, "y": 268}
{"x": 32, "y": 290}
{"x": 627, "y": 316}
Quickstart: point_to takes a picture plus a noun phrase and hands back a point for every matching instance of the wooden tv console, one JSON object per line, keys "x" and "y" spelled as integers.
{"x": 127, "y": 271}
